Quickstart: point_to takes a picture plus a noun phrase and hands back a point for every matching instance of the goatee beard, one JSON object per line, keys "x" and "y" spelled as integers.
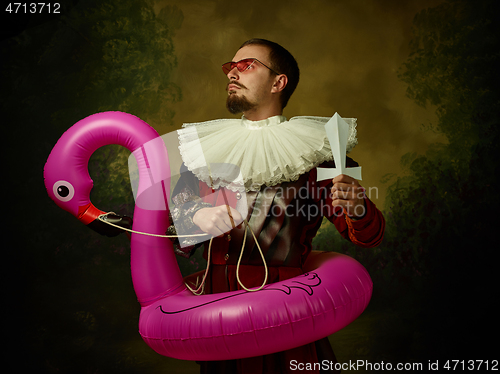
{"x": 236, "y": 104}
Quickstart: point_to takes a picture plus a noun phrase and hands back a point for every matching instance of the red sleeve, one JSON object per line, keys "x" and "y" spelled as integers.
{"x": 366, "y": 232}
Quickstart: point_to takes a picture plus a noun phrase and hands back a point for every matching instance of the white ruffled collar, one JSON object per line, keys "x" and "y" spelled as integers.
{"x": 258, "y": 125}
{"x": 240, "y": 153}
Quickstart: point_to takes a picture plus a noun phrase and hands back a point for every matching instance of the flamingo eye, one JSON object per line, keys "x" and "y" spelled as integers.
{"x": 63, "y": 190}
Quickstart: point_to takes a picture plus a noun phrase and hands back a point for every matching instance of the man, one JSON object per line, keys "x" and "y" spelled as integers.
{"x": 278, "y": 160}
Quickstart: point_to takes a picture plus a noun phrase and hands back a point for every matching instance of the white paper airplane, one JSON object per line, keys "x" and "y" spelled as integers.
{"x": 337, "y": 131}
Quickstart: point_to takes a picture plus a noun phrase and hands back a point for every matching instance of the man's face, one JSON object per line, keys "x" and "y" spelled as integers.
{"x": 251, "y": 88}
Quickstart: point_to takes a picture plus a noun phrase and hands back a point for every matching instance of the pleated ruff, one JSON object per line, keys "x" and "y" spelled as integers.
{"x": 266, "y": 152}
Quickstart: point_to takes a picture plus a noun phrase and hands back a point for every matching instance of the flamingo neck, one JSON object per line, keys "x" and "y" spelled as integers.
{"x": 155, "y": 272}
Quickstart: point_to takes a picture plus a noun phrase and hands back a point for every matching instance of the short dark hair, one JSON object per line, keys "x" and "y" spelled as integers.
{"x": 282, "y": 62}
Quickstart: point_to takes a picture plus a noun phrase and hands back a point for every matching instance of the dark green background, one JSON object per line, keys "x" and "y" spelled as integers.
{"x": 69, "y": 304}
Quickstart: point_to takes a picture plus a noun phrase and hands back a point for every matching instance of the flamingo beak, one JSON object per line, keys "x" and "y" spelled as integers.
{"x": 88, "y": 215}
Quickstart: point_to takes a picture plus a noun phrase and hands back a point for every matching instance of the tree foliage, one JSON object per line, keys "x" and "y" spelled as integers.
{"x": 450, "y": 189}
{"x": 453, "y": 66}
{"x": 77, "y": 311}
{"x": 441, "y": 214}
{"x": 101, "y": 55}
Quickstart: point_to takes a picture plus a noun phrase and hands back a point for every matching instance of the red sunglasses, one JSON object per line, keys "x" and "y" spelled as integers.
{"x": 242, "y": 65}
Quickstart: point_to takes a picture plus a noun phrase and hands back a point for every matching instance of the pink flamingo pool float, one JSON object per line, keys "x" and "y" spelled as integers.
{"x": 331, "y": 294}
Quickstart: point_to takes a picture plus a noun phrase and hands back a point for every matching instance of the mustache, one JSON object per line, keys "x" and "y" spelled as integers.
{"x": 235, "y": 84}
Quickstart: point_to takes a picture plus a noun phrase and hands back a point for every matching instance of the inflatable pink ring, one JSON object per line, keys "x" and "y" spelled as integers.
{"x": 173, "y": 321}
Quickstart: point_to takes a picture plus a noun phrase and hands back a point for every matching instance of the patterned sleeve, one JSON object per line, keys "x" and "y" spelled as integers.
{"x": 185, "y": 204}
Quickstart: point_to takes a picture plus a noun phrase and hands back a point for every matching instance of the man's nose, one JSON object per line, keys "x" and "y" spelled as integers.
{"x": 233, "y": 73}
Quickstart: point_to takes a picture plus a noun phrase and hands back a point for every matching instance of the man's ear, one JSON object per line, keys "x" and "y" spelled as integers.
{"x": 280, "y": 83}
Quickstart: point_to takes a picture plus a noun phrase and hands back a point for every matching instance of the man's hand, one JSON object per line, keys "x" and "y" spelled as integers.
{"x": 217, "y": 220}
{"x": 348, "y": 194}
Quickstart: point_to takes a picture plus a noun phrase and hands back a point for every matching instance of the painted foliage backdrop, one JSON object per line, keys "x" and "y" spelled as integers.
{"x": 419, "y": 76}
